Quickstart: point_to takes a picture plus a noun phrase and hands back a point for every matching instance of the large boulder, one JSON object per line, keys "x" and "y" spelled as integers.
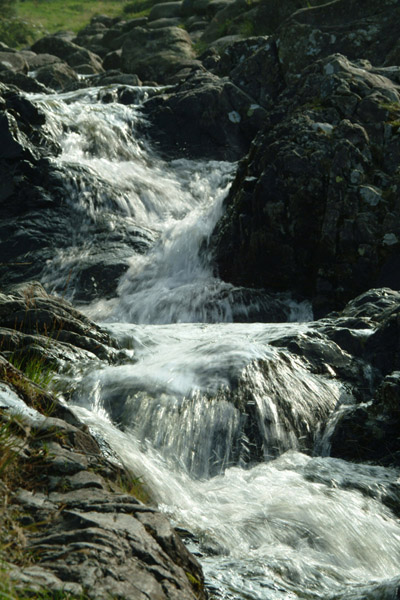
{"x": 314, "y": 207}
{"x": 69, "y": 52}
{"x": 356, "y": 28}
{"x": 165, "y": 10}
{"x": 206, "y": 117}
{"x": 13, "y": 61}
{"x": 57, "y": 76}
{"x": 157, "y": 54}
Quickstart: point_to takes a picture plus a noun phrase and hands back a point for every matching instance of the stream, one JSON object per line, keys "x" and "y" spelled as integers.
{"x": 229, "y": 433}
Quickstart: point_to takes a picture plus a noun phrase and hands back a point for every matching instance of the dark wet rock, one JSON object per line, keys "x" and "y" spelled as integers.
{"x": 157, "y": 54}
{"x": 383, "y": 347}
{"x": 206, "y": 117}
{"x": 314, "y": 204}
{"x": 194, "y": 7}
{"x": 112, "y": 60}
{"x": 370, "y": 432}
{"x": 48, "y": 327}
{"x": 114, "y": 38}
{"x": 165, "y": 22}
{"x": 232, "y": 17}
{"x": 221, "y": 24}
{"x": 375, "y": 305}
{"x": 37, "y": 215}
{"x": 56, "y": 75}
{"x": 14, "y": 143}
{"x": 253, "y": 66}
{"x": 23, "y": 82}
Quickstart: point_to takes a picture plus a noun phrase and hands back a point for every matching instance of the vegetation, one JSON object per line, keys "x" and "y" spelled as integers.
{"x": 22, "y": 23}
{"x": 35, "y": 367}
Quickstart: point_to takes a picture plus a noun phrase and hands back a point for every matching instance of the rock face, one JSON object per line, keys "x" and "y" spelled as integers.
{"x": 206, "y": 117}
{"x": 84, "y": 533}
{"x": 356, "y": 29}
{"x": 314, "y": 205}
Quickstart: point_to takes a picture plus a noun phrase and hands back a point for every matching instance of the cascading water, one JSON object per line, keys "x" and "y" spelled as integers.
{"x": 211, "y": 415}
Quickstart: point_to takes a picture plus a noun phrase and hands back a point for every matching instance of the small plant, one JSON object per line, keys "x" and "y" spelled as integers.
{"x": 35, "y": 367}
{"x": 134, "y": 486}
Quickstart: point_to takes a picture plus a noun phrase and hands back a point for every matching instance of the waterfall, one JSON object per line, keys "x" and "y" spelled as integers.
{"x": 220, "y": 424}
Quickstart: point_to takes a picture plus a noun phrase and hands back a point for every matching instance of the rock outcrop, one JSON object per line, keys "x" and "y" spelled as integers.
{"x": 79, "y": 516}
{"x": 314, "y": 205}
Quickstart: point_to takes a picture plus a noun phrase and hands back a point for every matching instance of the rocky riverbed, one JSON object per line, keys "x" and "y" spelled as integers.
{"x": 305, "y": 98}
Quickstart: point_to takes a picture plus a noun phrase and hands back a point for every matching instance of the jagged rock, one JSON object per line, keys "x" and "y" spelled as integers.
{"x": 253, "y": 66}
{"x": 14, "y": 143}
{"x": 34, "y": 324}
{"x": 205, "y": 117}
{"x": 157, "y": 54}
{"x": 370, "y": 432}
{"x": 313, "y": 207}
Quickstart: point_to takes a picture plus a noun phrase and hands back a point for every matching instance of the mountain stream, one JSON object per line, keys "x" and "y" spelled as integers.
{"x": 227, "y": 432}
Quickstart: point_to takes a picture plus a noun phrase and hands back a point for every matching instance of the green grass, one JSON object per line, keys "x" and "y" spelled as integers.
{"x": 34, "y": 19}
{"x": 54, "y": 15}
{"x": 34, "y": 368}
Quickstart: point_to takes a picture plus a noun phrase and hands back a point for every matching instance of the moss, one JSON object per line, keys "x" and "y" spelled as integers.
{"x": 196, "y": 584}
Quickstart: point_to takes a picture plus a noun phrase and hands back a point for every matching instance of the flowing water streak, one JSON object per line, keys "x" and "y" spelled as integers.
{"x": 178, "y": 202}
{"x": 278, "y": 530}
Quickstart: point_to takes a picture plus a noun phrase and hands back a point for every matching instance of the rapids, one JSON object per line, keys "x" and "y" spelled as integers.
{"x": 224, "y": 429}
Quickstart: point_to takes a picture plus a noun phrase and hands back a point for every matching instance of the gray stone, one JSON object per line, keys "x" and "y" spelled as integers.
{"x": 13, "y": 61}
{"x": 165, "y": 10}
{"x": 156, "y": 54}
